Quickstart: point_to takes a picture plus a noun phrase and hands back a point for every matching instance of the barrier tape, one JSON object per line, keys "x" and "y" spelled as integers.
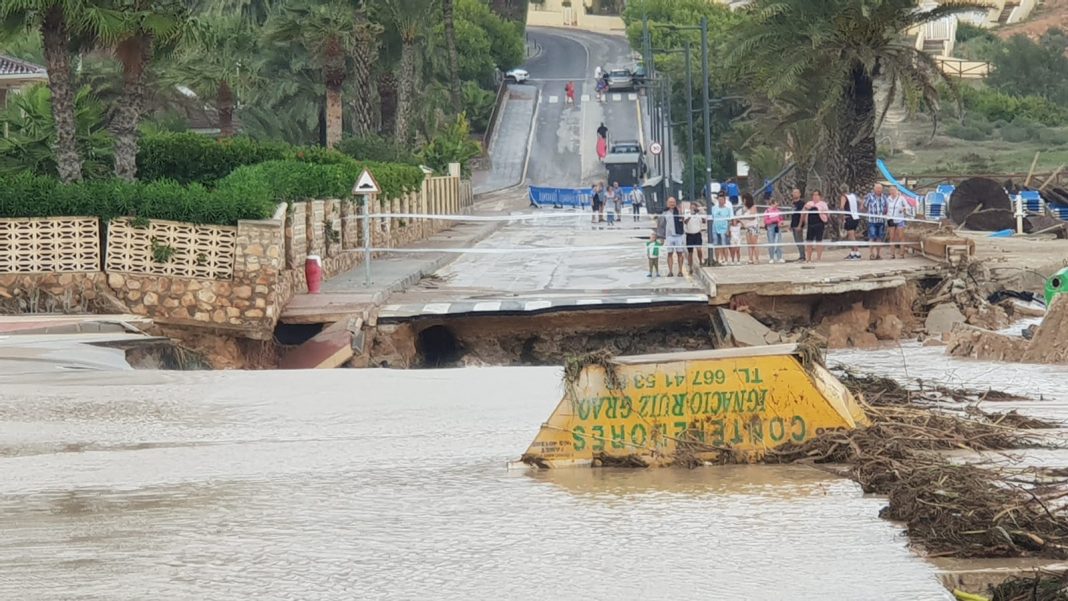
{"x": 588, "y": 214}
{"x": 785, "y": 245}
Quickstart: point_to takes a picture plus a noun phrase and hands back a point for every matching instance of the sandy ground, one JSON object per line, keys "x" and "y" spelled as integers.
{"x": 1052, "y": 13}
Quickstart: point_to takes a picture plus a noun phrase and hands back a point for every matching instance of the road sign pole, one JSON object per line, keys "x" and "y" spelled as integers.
{"x": 366, "y": 200}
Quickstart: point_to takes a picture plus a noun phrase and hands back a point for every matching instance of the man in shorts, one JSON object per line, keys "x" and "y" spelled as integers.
{"x": 670, "y": 229}
{"x": 875, "y": 205}
{"x": 851, "y": 207}
{"x": 694, "y": 224}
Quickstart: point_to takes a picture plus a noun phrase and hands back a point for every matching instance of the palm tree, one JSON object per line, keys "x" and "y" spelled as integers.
{"x": 325, "y": 30}
{"x": 144, "y": 25}
{"x": 837, "y": 49}
{"x": 59, "y": 21}
{"x": 216, "y": 59}
{"x": 409, "y": 19}
{"x": 364, "y": 54}
{"x": 454, "y": 58}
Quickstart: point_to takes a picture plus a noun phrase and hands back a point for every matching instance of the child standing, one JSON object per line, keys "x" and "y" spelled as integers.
{"x": 652, "y": 251}
{"x": 736, "y": 242}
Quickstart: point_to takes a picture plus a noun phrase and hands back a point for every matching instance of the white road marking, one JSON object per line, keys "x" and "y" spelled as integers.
{"x": 436, "y": 308}
{"x": 617, "y": 97}
{"x": 638, "y": 301}
{"x": 554, "y": 99}
{"x": 391, "y": 308}
{"x": 535, "y": 305}
{"x": 632, "y": 96}
{"x": 585, "y": 97}
{"x": 491, "y": 306}
{"x": 588, "y": 301}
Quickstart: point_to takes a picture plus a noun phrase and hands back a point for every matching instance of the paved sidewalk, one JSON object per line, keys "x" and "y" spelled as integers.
{"x": 346, "y": 295}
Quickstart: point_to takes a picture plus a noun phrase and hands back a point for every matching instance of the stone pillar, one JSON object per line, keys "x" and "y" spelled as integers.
{"x": 258, "y": 263}
{"x": 316, "y": 216}
{"x": 350, "y": 224}
{"x": 332, "y": 227}
{"x": 295, "y": 235}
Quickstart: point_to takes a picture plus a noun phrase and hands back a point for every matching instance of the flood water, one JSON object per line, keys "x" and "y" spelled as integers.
{"x": 375, "y": 484}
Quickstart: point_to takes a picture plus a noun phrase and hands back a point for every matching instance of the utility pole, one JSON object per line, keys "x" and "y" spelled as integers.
{"x": 668, "y": 135}
{"x": 708, "y": 128}
{"x": 689, "y": 124}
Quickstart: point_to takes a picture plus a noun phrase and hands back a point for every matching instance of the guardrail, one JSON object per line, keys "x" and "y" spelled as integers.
{"x": 962, "y": 69}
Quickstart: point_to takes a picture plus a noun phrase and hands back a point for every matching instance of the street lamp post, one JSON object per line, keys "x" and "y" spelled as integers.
{"x": 689, "y": 122}
{"x": 706, "y": 117}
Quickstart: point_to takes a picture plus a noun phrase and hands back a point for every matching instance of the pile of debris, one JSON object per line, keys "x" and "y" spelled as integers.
{"x": 951, "y": 509}
{"x": 1045, "y": 346}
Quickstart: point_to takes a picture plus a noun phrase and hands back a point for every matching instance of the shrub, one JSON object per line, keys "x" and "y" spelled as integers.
{"x": 1017, "y": 133}
{"x": 188, "y": 157}
{"x": 997, "y": 106}
{"x": 453, "y": 144}
{"x": 1053, "y": 137}
{"x": 980, "y": 123}
{"x": 478, "y": 105}
{"x": 377, "y": 148}
{"x": 965, "y": 132}
{"x": 296, "y": 180}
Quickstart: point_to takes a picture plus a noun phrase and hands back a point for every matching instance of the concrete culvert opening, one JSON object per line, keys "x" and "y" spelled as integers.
{"x": 438, "y": 347}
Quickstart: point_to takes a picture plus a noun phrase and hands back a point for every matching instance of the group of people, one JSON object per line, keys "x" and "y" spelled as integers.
{"x": 608, "y": 200}
{"x": 738, "y": 224}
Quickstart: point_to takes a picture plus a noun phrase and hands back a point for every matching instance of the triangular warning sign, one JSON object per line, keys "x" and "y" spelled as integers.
{"x": 366, "y": 184}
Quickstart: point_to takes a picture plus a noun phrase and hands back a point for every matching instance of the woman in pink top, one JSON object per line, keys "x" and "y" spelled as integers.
{"x": 773, "y": 225}
{"x": 815, "y": 217}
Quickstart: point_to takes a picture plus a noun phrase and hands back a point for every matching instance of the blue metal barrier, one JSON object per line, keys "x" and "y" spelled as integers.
{"x": 569, "y": 197}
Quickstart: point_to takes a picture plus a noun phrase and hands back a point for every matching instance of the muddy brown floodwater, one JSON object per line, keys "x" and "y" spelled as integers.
{"x": 377, "y": 484}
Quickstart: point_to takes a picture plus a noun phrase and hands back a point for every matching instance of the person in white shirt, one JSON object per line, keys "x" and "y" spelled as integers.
{"x": 849, "y": 203}
{"x": 694, "y": 224}
{"x": 897, "y": 208}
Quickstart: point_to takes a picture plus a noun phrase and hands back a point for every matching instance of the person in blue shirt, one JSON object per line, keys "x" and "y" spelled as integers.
{"x": 722, "y": 214}
{"x": 733, "y": 192}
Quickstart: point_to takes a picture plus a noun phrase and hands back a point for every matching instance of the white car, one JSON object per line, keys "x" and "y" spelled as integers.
{"x": 517, "y": 76}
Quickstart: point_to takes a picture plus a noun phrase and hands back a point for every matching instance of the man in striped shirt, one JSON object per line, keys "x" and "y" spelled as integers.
{"x": 875, "y": 206}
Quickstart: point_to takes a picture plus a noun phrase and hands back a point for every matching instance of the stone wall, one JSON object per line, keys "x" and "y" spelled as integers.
{"x": 264, "y": 260}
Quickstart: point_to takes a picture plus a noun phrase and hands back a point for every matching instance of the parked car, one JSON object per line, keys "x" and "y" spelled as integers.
{"x": 517, "y": 76}
{"x": 620, "y": 79}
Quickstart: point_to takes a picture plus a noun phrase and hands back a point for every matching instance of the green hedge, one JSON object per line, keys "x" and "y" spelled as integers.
{"x": 192, "y": 158}
{"x": 250, "y": 192}
{"x": 26, "y": 195}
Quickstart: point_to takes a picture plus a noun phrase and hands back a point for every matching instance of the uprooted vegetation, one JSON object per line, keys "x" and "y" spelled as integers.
{"x": 951, "y": 509}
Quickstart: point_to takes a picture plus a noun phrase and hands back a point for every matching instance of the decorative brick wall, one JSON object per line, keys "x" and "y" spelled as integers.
{"x": 170, "y": 248}
{"x": 54, "y": 244}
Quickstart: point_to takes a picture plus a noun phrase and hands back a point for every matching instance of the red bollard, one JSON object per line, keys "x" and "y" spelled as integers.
{"x": 313, "y": 271}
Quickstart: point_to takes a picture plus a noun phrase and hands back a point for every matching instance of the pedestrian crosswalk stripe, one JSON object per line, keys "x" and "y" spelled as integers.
{"x": 436, "y": 308}
{"x": 585, "y": 97}
{"x": 554, "y": 99}
{"x": 494, "y": 306}
{"x": 617, "y": 97}
{"x": 535, "y": 305}
{"x": 588, "y": 301}
{"x": 638, "y": 301}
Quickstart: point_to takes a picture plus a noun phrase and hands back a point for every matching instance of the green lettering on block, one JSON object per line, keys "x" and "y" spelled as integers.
{"x": 578, "y": 434}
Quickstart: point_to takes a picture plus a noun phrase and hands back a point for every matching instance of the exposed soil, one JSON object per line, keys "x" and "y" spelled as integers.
{"x": 1051, "y": 13}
